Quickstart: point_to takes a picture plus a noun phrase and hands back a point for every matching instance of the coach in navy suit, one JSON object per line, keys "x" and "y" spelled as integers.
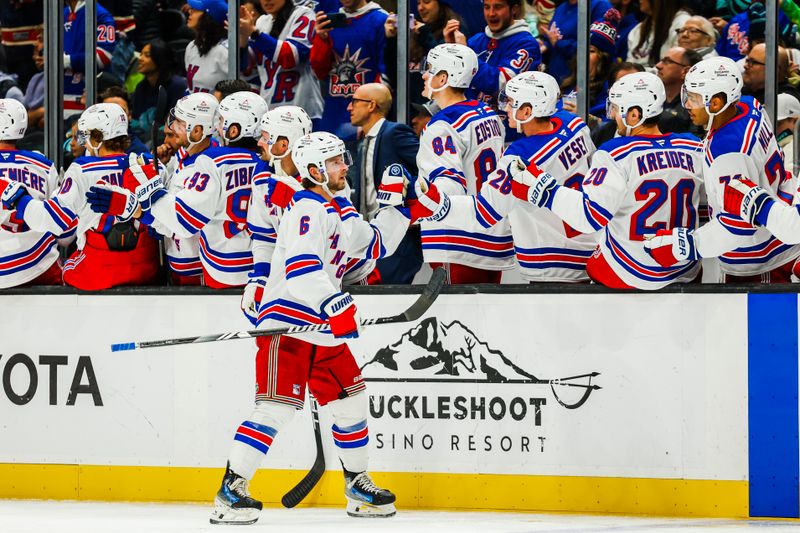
{"x": 383, "y": 143}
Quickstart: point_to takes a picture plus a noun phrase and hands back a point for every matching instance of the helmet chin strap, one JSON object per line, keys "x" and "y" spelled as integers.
{"x": 430, "y": 91}
{"x": 520, "y": 123}
{"x": 93, "y": 148}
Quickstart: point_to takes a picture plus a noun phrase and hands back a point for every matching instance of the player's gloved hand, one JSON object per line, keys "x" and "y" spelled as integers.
{"x": 669, "y": 247}
{"x": 251, "y": 298}
{"x": 342, "y": 315}
{"x": 12, "y": 193}
{"x": 394, "y": 183}
{"x": 531, "y": 184}
{"x": 111, "y": 199}
{"x": 279, "y": 193}
{"x": 746, "y": 199}
{"x": 148, "y": 184}
{"x": 430, "y": 204}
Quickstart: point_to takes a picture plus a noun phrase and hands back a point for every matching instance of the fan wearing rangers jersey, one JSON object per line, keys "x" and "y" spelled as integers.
{"x": 27, "y": 256}
{"x": 112, "y": 250}
{"x": 280, "y": 128}
{"x": 458, "y": 151}
{"x": 305, "y": 287}
{"x": 557, "y": 142}
{"x": 639, "y": 183}
{"x": 740, "y": 144}
{"x": 75, "y": 50}
{"x": 206, "y": 57}
{"x": 279, "y": 44}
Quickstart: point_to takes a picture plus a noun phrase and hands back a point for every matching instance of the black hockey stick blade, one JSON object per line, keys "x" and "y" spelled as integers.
{"x": 307, "y": 484}
{"x": 415, "y": 311}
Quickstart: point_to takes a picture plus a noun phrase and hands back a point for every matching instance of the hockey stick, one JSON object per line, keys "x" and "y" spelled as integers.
{"x": 301, "y": 490}
{"x": 417, "y": 309}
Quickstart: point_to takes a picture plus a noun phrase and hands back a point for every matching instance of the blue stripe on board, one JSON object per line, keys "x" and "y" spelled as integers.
{"x": 772, "y": 405}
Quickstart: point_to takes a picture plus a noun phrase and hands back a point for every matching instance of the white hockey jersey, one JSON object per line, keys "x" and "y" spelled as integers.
{"x": 283, "y": 65}
{"x": 213, "y": 203}
{"x": 546, "y": 248}
{"x": 459, "y": 150}
{"x": 745, "y": 147}
{"x": 25, "y": 254}
{"x": 310, "y": 259}
{"x": 204, "y": 72}
{"x": 636, "y": 186}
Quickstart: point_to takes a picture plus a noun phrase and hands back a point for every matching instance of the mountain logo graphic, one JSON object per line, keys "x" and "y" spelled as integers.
{"x": 434, "y": 352}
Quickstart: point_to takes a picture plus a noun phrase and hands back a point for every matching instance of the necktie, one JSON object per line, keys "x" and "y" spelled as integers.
{"x": 363, "y": 176}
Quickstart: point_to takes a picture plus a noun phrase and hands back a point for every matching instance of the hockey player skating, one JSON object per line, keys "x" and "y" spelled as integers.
{"x": 638, "y": 183}
{"x": 304, "y": 287}
{"x": 213, "y": 200}
{"x": 458, "y": 151}
{"x": 558, "y": 143}
{"x": 740, "y": 144}
{"x": 280, "y": 129}
{"x": 112, "y": 250}
{"x": 27, "y": 256}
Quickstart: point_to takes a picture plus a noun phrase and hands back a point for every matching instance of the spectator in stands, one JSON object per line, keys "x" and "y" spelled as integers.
{"x": 788, "y": 115}
{"x": 698, "y": 34}
{"x": 672, "y": 70}
{"x": 345, "y": 58}
{"x": 559, "y": 43}
{"x": 755, "y": 72}
{"x": 505, "y": 48}
{"x": 226, "y": 88}
{"x": 602, "y": 48}
{"x": 34, "y": 102}
{"x": 649, "y": 40}
{"x": 745, "y": 30}
{"x": 118, "y": 95}
{"x": 157, "y": 64}
{"x": 384, "y": 143}
{"x": 424, "y": 113}
{"x": 206, "y": 57}
{"x": 629, "y": 12}
{"x": 75, "y": 53}
{"x": 8, "y": 82}
{"x": 72, "y": 148}
{"x": 279, "y": 45}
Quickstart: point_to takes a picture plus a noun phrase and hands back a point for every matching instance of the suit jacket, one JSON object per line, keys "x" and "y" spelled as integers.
{"x": 395, "y": 143}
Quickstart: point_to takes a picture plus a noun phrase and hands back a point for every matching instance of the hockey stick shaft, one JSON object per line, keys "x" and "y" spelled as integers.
{"x": 416, "y": 310}
{"x": 297, "y": 493}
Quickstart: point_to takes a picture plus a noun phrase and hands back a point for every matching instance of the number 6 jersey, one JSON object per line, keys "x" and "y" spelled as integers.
{"x": 459, "y": 150}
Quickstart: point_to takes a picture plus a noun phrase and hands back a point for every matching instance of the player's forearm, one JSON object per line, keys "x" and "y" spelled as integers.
{"x": 713, "y": 239}
{"x": 782, "y": 221}
{"x": 312, "y": 288}
{"x": 164, "y": 213}
{"x": 47, "y": 216}
{"x": 470, "y": 213}
{"x": 576, "y": 209}
{"x": 381, "y": 237}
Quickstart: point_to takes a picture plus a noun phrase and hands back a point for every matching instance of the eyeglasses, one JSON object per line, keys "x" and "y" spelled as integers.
{"x": 749, "y": 62}
{"x": 693, "y": 31}
{"x": 354, "y": 99}
{"x": 668, "y": 61}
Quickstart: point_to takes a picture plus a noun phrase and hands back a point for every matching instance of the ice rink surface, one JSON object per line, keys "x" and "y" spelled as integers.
{"x": 18, "y": 516}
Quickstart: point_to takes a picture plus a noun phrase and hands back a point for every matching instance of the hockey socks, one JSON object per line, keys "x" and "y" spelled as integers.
{"x": 250, "y": 444}
{"x": 351, "y": 442}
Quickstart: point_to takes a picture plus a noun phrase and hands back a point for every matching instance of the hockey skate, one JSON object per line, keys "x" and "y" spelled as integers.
{"x": 365, "y": 499}
{"x": 233, "y": 504}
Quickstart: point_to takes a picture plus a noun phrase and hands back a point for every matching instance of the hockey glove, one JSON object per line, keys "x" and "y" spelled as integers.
{"x": 669, "y": 247}
{"x": 394, "y": 183}
{"x": 531, "y": 184}
{"x": 145, "y": 180}
{"x": 431, "y": 204}
{"x": 12, "y": 193}
{"x": 103, "y": 198}
{"x": 342, "y": 315}
{"x": 251, "y": 298}
{"x": 746, "y": 199}
{"x": 279, "y": 193}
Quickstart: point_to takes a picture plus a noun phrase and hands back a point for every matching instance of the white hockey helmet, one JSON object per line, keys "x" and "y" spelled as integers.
{"x": 459, "y": 61}
{"x": 109, "y": 119}
{"x": 196, "y": 109}
{"x": 315, "y": 149}
{"x": 244, "y": 109}
{"x": 13, "y": 119}
{"x": 639, "y": 89}
{"x": 710, "y": 77}
{"x": 537, "y": 89}
{"x": 287, "y": 121}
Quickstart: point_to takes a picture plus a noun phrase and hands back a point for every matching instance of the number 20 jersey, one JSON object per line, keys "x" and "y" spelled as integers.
{"x": 458, "y": 150}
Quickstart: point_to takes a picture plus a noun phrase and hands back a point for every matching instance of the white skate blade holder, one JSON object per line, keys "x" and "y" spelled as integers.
{"x": 362, "y": 509}
{"x": 226, "y": 515}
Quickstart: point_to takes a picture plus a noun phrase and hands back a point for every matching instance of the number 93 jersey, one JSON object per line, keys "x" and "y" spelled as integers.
{"x": 636, "y": 186}
{"x": 213, "y": 203}
{"x": 458, "y": 151}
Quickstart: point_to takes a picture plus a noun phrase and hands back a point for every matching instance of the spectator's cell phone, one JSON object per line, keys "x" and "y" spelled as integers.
{"x": 338, "y": 20}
